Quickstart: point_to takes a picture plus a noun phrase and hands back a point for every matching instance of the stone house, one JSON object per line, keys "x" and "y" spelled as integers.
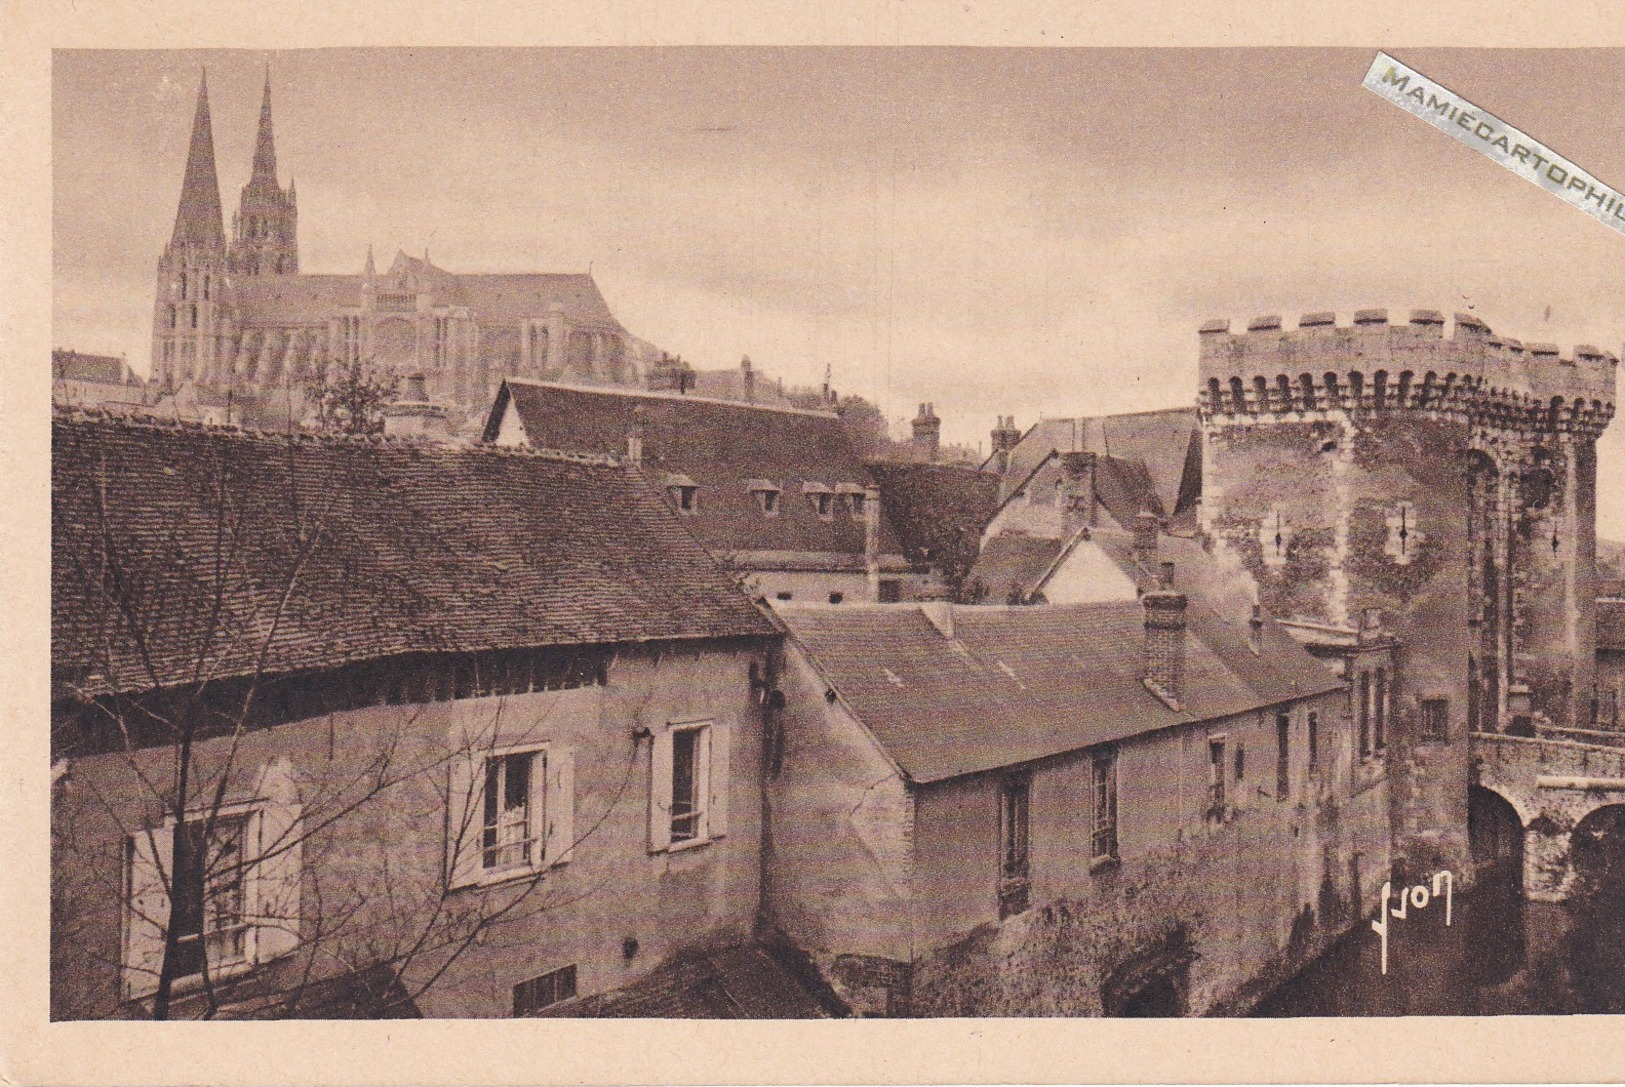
{"x": 1126, "y": 807}
{"x": 779, "y": 495}
{"x": 471, "y": 731}
{"x": 91, "y": 381}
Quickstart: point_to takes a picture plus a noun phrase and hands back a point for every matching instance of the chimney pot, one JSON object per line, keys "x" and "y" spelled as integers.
{"x": 1165, "y": 576}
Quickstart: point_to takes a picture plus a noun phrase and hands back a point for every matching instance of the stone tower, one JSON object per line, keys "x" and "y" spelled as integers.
{"x": 266, "y": 227}
{"x": 1445, "y": 483}
{"x": 188, "y": 328}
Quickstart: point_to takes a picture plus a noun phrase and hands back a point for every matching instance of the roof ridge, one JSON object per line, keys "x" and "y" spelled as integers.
{"x": 85, "y": 414}
{"x": 660, "y": 394}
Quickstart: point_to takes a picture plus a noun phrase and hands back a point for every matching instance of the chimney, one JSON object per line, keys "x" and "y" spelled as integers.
{"x": 871, "y": 539}
{"x": 1145, "y": 536}
{"x": 1005, "y": 439}
{"x": 634, "y": 436}
{"x": 413, "y": 414}
{"x": 1078, "y": 495}
{"x": 1165, "y": 639}
{"x": 1255, "y": 631}
{"x": 927, "y": 434}
{"x": 1370, "y": 627}
{"x": 747, "y": 379}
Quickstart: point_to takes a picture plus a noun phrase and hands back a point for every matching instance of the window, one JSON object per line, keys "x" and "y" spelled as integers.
{"x": 689, "y": 787}
{"x": 1314, "y": 741}
{"x": 1435, "y": 719}
{"x": 766, "y": 494}
{"x": 1365, "y": 715}
{"x": 229, "y": 889}
{"x": 854, "y": 504}
{"x": 1015, "y": 877}
{"x": 512, "y": 813}
{"x": 1379, "y": 714}
{"x": 1215, "y": 776}
{"x": 786, "y": 596}
{"x": 1403, "y": 537}
{"x": 821, "y": 502}
{"x": 1103, "y": 842}
{"x": 686, "y": 496}
{"x": 836, "y": 598}
{"x": 1604, "y": 706}
{"x": 1283, "y": 756}
{"x": 891, "y": 591}
{"x": 821, "y": 497}
{"x": 1241, "y": 763}
{"x": 530, "y": 997}
{"x": 193, "y": 308}
{"x": 508, "y": 838}
{"x": 209, "y": 915}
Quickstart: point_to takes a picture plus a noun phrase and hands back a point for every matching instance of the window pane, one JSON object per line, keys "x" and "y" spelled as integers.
{"x": 685, "y": 774}
{"x": 507, "y": 840}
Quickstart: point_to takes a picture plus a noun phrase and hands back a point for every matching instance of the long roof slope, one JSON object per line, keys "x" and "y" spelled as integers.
{"x": 382, "y": 547}
{"x": 723, "y": 447}
{"x": 1013, "y": 684}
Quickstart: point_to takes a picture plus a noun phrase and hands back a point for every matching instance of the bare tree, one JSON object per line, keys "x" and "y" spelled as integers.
{"x": 176, "y": 704}
{"x": 348, "y": 397}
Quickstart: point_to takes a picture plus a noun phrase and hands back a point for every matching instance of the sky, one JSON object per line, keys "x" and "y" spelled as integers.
{"x": 999, "y": 232}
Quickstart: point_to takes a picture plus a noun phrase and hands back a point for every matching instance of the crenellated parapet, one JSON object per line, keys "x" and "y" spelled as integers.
{"x": 1373, "y": 365}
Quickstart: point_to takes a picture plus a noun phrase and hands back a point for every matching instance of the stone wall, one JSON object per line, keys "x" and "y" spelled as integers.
{"x": 372, "y": 878}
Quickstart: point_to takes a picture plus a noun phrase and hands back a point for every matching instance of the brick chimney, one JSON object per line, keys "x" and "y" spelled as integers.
{"x": 1078, "y": 495}
{"x": 747, "y": 380}
{"x": 1005, "y": 439}
{"x": 871, "y": 539}
{"x": 634, "y": 436}
{"x": 927, "y": 434}
{"x": 1165, "y": 639}
{"x": 1255, "y": 631}
{"x": 1146, "y": 528}
{"x": 413, "y": 415}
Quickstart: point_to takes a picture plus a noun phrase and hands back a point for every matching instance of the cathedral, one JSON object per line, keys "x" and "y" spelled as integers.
{"x": 235, "y": 314}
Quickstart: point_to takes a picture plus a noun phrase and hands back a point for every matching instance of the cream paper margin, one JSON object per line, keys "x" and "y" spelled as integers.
{"x": 33, "y": 1051}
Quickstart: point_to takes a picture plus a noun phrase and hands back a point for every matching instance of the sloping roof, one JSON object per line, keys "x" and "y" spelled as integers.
{"x": 96, "y": 369}
{"x": 389, "y": 546}
{"x": 515, "y": 296}
{"x": 1167, "y": 442}
{"x": 1021, "y": 683}
{"x": 723, "y": 446}
{"x": 937, "y": 510}
{"x": 294, "y": 299}
{"x": 1011, "y": 564}
{"x": 734, "y": 983}
{"x": 1611, "y": 626}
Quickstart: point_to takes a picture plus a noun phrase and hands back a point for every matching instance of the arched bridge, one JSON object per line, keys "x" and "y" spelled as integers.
{"x": 1566, "y": 790}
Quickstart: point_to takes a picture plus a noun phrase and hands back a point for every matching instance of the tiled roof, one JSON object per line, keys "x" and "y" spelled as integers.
{"x": 936, "y": 509}
{"x": 735, "y": 983}
{"x": 399, "y": 547}
{"x": 99, "y": 369}
{"x": 1011, "y": 564}
{"x": 723, "y": 446}
{"x": 1020, "y": 683}
{"x": 1611, "y": 626}
{"x": 1166, "y": 442}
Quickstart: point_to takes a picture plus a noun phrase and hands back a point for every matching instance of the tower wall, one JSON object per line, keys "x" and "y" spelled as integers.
{"x": 1391, "y": 467}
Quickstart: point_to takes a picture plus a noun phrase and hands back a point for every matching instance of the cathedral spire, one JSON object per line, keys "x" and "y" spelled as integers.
{"x": 199, "y": 220}
{"x": 265, "y": 143}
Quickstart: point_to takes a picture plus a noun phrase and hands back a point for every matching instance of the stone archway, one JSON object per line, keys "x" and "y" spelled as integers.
{"x": 1595, "y": 941}
{"x": 1495, "y": 831}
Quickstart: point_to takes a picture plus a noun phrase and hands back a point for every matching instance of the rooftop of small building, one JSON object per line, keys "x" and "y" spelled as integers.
{"x": 1166, "y": 441}
{"x": 952, "y": 690}
{"x": 384, "y": 547}
{"x": 68, "y": 365}
{"x": 743, "y": 982}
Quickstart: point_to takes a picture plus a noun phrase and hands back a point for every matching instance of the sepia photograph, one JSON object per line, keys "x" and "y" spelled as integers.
{"x": 790, "y": 533}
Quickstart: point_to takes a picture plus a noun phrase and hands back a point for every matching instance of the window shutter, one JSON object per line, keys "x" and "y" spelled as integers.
{"x": 560, "y": 804}
{"x": 151, "y": 859}
{"x": 279, "y": 875}
{"x": 464, "y": 819}
{"x": 718, "y": 770}
{"x": 660, "y": 791}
